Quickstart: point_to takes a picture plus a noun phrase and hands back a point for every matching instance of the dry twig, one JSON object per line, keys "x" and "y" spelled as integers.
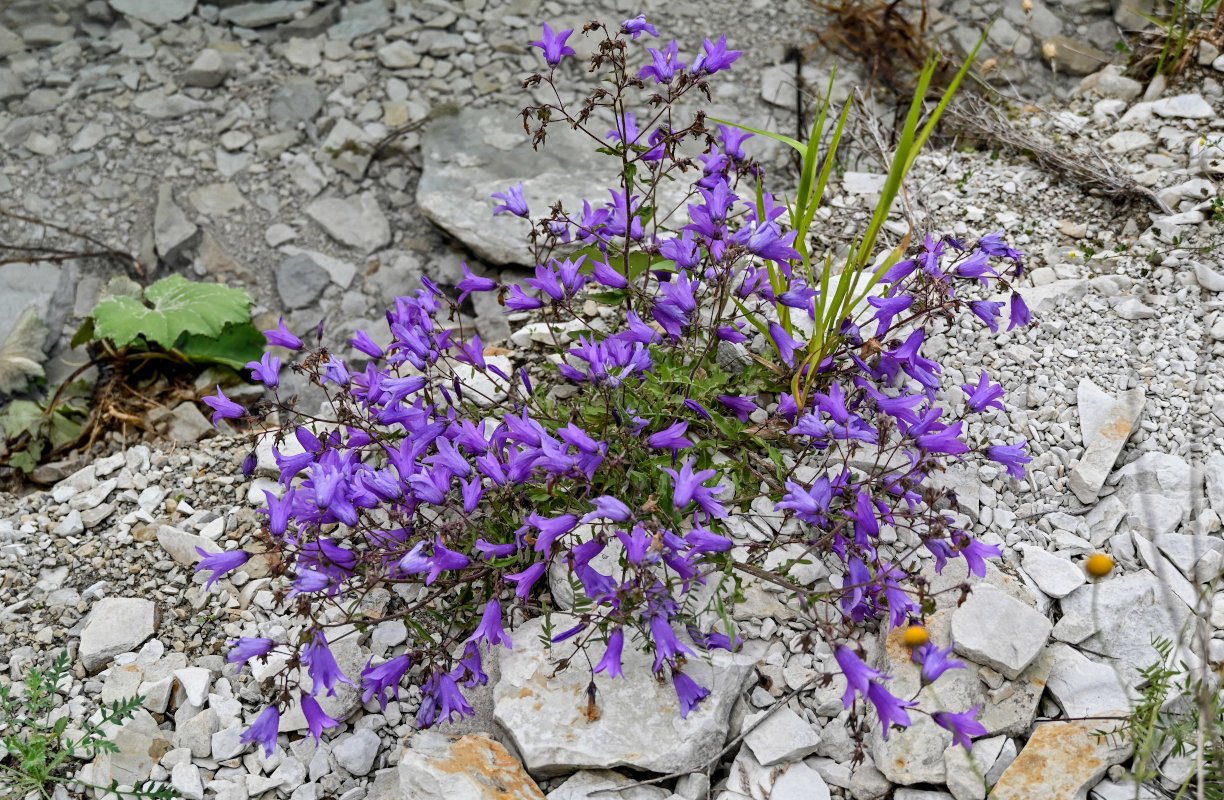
{"x": 1083, "y": 164}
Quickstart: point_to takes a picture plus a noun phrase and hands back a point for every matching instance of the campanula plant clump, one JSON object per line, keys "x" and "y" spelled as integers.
{"x": 707, "y": 393}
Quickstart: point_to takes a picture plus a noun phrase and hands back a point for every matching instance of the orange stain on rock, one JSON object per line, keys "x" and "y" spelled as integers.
{"x": 1059, "y": 760}
{"x": 487, "y": 763}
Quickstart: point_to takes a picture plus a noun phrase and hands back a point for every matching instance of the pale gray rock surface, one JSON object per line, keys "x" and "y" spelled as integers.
{"x": 154, "y": 12}
{"x": 116, "y": 625}
{"x": 1128, "y": 612}
{"x": 355, "y": 221}
{"x": 1008, "y": 649}
{"x": 1085, "y": 688}
{"x": 546, "y": 715}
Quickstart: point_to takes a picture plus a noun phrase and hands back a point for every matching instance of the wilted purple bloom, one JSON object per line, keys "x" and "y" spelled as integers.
{"x": 324, "y": 671}
{"x": 1020, "y": 315}
{"x": 962, "y": 726}
{"x": 785, "y": 344}
{"x": 220, "y": 563}
{"x": 637, "y": 26}
{"x": 376, "y": 681}
{"x": 858, "y": 675}
{"x": 247, "y": 648}
{"x": 264, "y": 730}
{"x": 283, "y": 337}
{"x": 611, "y": 661}
{"x": 527, "y": 579}
{"x": 607, "y": 507}
{"x": 316, "y": 718}
{"x": 987, "y": 311}
{"x": 697, "y": 408}
{"x": 670, "y": 438}
{"x": 984, "y": 395}
{"x": 935, "y": 662}
{"x": 490, "y": 628}
{"x": 554, "y": 46}
{"x": 663, "y": 64}
{"x": 223, "y": 407}
{"x": 890, "y": 709}
{"x": 266, "y": 370}
{"x": 512, "y": 201}
{"x": 1011, "y": 456}
{"x": 689, "y": 691}
{"x": 716, "y": 57}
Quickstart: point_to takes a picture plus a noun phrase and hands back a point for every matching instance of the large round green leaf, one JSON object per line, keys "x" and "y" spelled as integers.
{"x": 173, "y": 306}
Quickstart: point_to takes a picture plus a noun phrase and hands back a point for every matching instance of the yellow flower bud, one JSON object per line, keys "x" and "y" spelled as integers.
{"x": 916, "y": 636}
{"x": 1099, "y": 565}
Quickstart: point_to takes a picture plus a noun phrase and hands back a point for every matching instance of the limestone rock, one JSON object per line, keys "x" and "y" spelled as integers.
{"x": 155, "y": 12}
{"x": 440, "y": 767}
{"x": 1128, "y": 612}
{"x": 1055, "y": 576}
{"x": 585, "y": 783}
{"x": 1061, "y": 761}
{"x": 206, "y": 72}
{"x": 355, "y": 221}
{"x": 980, "y": 638}
{"x": 263, "y": 14}
{"x": 1085, "y": 688}
{"x": 784, "y": 736}
{"x": 116, "y": 625}
{"x": 547, "y": 716}
{"x": 173, "y": 233}
{"x": 181, "y": 546}
{"x": 356, "y": 753}
{"x": 1104, "y": 434}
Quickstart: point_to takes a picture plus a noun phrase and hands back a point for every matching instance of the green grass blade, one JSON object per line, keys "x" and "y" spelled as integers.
{"x": 777, "y": 137}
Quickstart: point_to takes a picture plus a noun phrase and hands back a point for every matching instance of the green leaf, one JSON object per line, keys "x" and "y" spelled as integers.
{"x": 21, "y": 416}
{"x": 613, "y": 297}
{"x": 64, "y": 431}
{"x": 178, "y": 307}
{"x": 84, "y": 334}
{"x": 237, "y": 344}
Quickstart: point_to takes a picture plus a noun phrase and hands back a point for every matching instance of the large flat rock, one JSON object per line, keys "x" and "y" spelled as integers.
{"x": 638, "y": 724}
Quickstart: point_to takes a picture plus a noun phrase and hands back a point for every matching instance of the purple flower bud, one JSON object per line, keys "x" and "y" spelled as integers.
{"x": 248, "y": 464}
